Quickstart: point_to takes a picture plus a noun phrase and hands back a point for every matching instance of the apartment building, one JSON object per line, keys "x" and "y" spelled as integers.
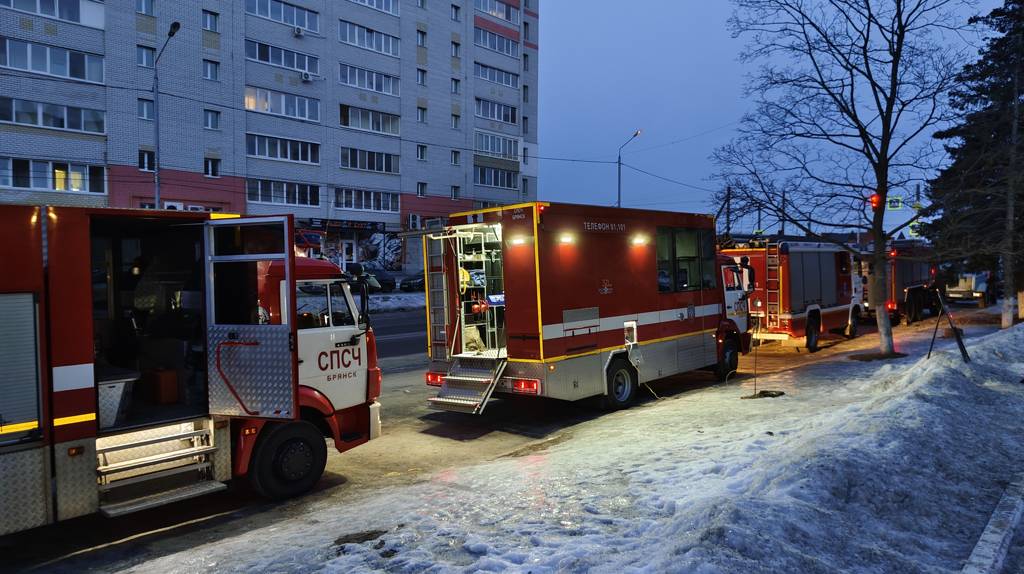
{"x": 363, "y": 118}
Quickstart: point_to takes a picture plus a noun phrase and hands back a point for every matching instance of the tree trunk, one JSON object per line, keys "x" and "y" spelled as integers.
{"x": 879, "y": 296}
{"x": 1011, "y": 196}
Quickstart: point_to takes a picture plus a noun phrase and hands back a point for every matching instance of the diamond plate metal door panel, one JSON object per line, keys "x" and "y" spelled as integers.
{"x": 77, "y": 490}
{"x": 250, "y": 371}
{"x": 24, "y": 496}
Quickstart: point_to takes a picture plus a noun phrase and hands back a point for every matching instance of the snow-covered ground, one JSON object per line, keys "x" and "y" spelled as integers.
{"x": 396, "y": 301}
{"x": 874, "y": 467}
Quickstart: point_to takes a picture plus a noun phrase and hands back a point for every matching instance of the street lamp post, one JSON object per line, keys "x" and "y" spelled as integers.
{"x": 175, "y": 26}
{"x": 618, "y": 198}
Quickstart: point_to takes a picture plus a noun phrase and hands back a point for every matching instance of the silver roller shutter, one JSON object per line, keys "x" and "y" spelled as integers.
{"x": 19, "y": 375}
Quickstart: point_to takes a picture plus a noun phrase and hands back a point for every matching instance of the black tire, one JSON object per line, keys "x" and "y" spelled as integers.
{"x": 853, "y": 327}
{"x": 813, "y": 331}
{"x": 621, "y": 381}
{"x": 289, "y": 460}
{"x": 729, "y": 362}
{"x": 918, "y": 299}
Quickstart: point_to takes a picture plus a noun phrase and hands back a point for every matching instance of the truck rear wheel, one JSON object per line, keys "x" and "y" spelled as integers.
{"x": 288, "y": 461}
{"x": 813, "y": 331}
{"x": 622, "y": 383}
{"x": 851, "y": 328}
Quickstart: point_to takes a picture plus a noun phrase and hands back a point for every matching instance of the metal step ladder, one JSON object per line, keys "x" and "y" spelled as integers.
{"x": 773, "y": 286}
{"x": 144, "y": 469}
{"x": 469, "y": 385}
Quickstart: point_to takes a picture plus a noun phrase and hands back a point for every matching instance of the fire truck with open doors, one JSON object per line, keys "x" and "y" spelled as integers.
{"x": 572, "y": 302}
{"x": 801, "y": 289}
{"x": 910, "y": 281}
{"x": 149, "y": 356}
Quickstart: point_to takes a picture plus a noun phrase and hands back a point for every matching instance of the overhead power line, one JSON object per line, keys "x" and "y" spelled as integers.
{"x": 670, "y": 180}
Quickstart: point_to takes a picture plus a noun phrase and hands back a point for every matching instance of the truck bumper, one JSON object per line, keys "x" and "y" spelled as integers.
{"x": 374, "y": 420}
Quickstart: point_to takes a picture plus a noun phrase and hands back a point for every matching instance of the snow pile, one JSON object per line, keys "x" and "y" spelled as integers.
{"x": 396, "y": 301}
{"x": 859, "y": 467}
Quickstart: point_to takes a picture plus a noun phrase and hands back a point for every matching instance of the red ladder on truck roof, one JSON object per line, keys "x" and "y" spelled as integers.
{"x": 772, "y": 285}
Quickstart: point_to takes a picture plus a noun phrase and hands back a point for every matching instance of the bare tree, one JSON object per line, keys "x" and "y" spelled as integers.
{"x": 847, "y": 97}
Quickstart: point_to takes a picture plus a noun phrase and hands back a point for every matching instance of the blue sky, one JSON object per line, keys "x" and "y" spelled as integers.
{"x": 669, "y": 67}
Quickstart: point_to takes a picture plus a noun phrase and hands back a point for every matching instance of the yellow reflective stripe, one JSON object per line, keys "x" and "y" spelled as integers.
{"x": 426, "y": 293}
{"x": 74, "y": 419}
{"x": 223, "y": 215}
{"x": 19, "y": 427}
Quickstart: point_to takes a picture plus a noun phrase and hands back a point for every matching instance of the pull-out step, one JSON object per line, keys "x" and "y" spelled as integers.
{"x": 468, "y": 386}
{"x": 161, "y": 498}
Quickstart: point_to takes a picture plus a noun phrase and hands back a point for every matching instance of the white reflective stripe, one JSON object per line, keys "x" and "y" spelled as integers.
{"x": 825, "y": 310}
{"x": 73, "y": 377}
{"x": 559, "y": 330}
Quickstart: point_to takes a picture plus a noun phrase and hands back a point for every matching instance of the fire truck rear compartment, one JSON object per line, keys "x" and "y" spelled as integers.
{"x": 148, "y": 322}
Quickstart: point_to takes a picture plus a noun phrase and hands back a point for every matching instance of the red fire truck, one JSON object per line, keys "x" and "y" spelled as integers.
{"x": 573, "y": 301}
{"x": 910, "y": 281}
{"x": 148, "y": 357}
{"x": 801, "y": 289}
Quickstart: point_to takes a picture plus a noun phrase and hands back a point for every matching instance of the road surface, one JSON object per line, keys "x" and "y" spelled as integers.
{"x": 400, "y": 332}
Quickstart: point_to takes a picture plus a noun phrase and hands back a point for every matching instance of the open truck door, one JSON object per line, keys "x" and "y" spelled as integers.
{"x": 251, "y": 345}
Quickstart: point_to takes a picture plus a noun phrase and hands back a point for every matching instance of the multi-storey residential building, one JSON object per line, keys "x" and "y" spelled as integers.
{"x": 363, "y": 118}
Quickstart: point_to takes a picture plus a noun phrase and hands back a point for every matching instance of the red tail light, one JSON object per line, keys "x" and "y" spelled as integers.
{"x": 890, "y": 305}
{"x": 526, "y": 386}
{"x": 435, "y": 379}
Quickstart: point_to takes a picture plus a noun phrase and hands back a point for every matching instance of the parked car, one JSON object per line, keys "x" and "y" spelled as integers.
{"x": 412, "y": 283}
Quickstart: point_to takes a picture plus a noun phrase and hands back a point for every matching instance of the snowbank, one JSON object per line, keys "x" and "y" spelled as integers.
{"x": 858, "y": 467}
{"x": 396, "y": 301}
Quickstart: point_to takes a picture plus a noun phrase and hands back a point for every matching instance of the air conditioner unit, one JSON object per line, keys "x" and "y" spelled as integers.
{"x": 196, "y": 208}
{"x": 298, "y": 31}
{"x": 414, "y": 221}
{"x": 174, "y": 205}
{"x": 433, "y": 223}
{"x": 307, "y": 77}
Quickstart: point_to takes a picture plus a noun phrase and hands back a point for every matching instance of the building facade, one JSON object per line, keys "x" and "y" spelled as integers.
{"x": 363, "y": 118}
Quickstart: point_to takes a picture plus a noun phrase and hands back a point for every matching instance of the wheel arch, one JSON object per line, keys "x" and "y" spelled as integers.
{"x": 315, "y": 408}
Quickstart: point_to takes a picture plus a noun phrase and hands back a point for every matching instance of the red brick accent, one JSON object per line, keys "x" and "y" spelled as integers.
{"x": 530, "y": 45}
{"x": 129, "y": 187}
{"x": 531, "y": 13}
{"x": 510, "y": 33}
{"x": 432, "y": 206}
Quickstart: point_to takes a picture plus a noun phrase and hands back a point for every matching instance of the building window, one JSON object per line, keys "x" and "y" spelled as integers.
{"x": 456, "y": 50}
{"x": 498, "y": 9}
{"x": 421, "y": 76}
{"x": 421, "y": 38}
{"x": 388, "y": 6}
{"x": 69, "y": 10}
{"x": 352, "y": 158}
{"x": 495, "y": 111}
{"x": 494, "y": 177}
{"x": 526, "y": 155}
{"x": 281, "y": 104}
{"x": 421, "y": 115}
{"x": 286, "y": 192}
{"x": 267, "y": 54}
{"x": 456, "y": 157}
{"x": 369, "y": 80}
{"x": 211, "y": 70}
{"x": 421, "y": 3}
{"x": 456, "y": 13}
{"x": 146, "y": 111}
{"x": 143, "y": 7}
{"x": 147, "y": 160}
{"x": 526, "y": 93}
{"x": 526, "y": 125}
{"x": 51, "y": 175}
{"x": 526, "y": 62}
{"x": 456, "y": 121}
{"x": 211, "y": 119}
{"x": 369, "y": 120}
{"x": 497, "y": 145}
{"x": 145, "y": 56}
{"x": 284, "y": 13}
{"x": 456, "y": 192}
{"x": 51, "y": 116}
{"x": 211, "y": 21}
{"x": 365, "y": 200}
{"x": 456, "y": 86}
{"x": 282, "y": 149}
{"x": 524, "y": 191}
{"x": 526, "y": 31}
{"x": 491, "y": 41}
{"x": 362, "y": 37}
{"x": 685, "y": 260}
{"x": 421, "y": 189}
{"x": 421, "y": 152}
{"x": 211, "y": 167}
{"x": 495, "y": 75}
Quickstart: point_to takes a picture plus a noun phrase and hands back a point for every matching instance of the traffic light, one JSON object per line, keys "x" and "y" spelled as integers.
{"x": 876, "y": 201}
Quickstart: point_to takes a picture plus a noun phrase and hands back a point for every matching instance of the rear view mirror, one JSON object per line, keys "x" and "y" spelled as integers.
{"x": 364, "y": 305}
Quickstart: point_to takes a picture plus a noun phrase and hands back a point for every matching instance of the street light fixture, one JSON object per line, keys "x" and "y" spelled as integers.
{"x": 175, "y": 26}
{"x": 618, "y": 199}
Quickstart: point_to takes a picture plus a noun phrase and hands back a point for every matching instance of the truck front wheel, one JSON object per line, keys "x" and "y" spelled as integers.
{"x": 288, "y": 461}
{"x": 730, "y": 361}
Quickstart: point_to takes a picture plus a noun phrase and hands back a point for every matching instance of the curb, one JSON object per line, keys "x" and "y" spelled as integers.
{"x": 989, "y": 553}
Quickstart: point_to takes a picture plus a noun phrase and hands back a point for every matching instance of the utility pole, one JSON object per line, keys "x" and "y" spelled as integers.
{"x": 175, "y": 26}
{"x": 618, "y": 198}
{"x": 1008, "y": 248}
{"x": 728, "y": 210}
{"x": 759, "y": 228}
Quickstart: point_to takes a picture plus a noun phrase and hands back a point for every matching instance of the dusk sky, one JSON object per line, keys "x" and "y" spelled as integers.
{"x": 668, "y": 67}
